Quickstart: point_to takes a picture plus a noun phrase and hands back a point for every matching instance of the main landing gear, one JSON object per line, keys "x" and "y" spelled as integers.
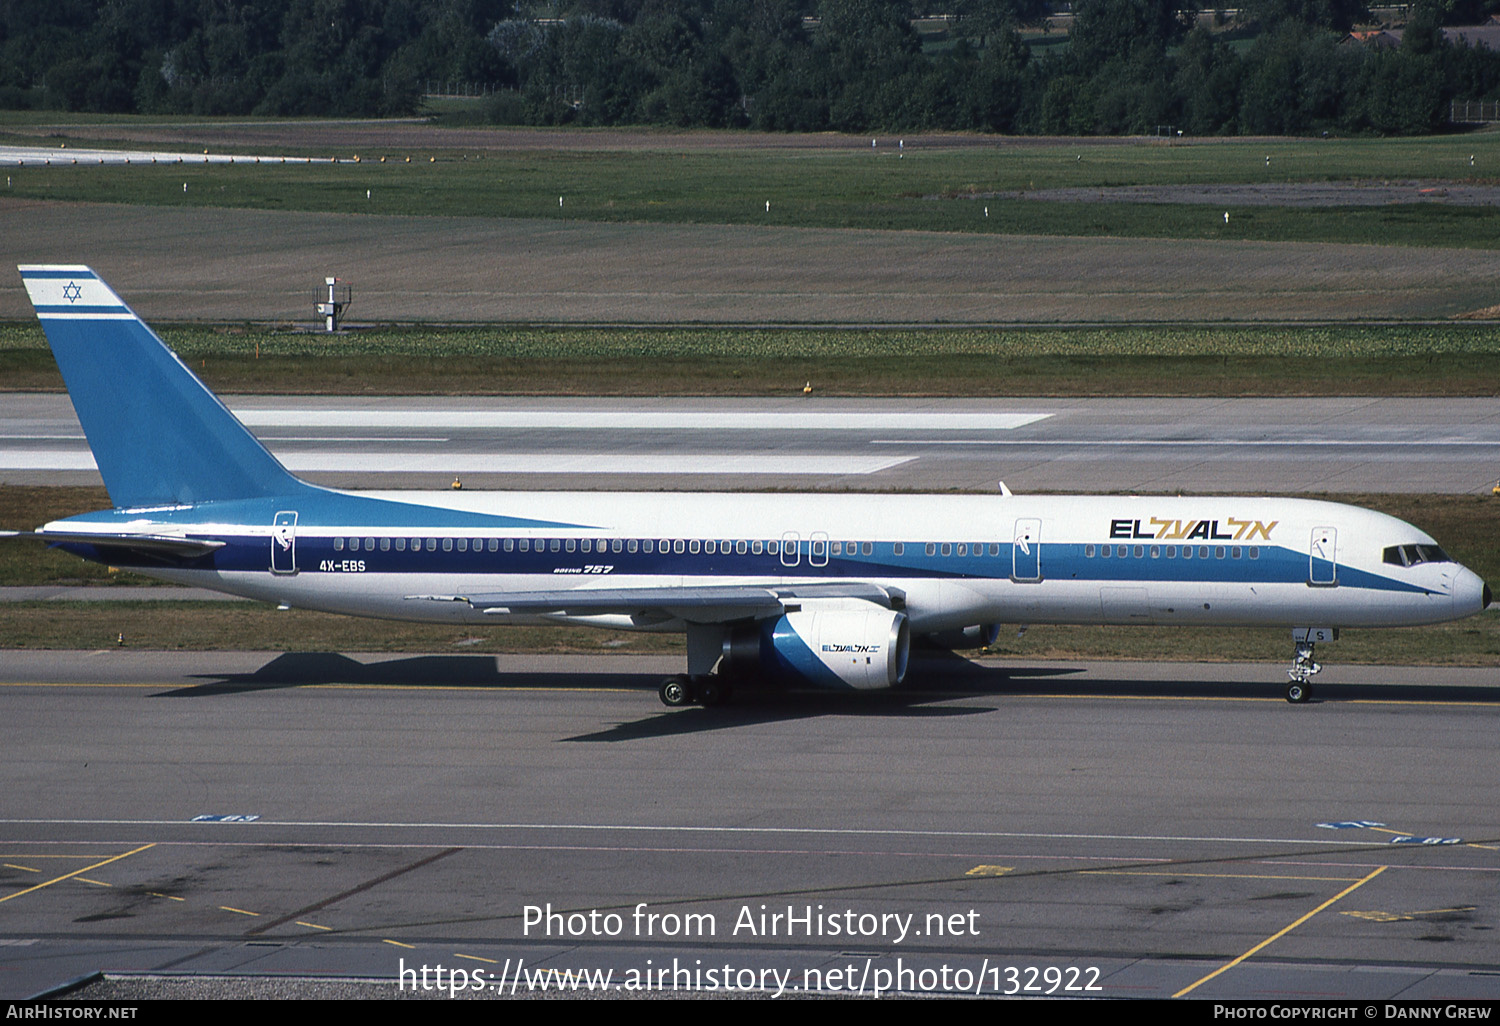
{"x": 1301, "y": 672}
{"x": 706, "y": 690}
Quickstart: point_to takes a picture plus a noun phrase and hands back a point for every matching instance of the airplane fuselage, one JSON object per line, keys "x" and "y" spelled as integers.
{"x": 958, "y": 561}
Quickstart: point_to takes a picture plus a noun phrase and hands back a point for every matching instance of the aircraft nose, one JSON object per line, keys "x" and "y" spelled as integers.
{"x": 1470, "y": 593}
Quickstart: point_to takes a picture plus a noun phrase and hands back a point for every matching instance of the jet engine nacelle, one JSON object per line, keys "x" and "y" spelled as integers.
{"x": 862, "y": 648}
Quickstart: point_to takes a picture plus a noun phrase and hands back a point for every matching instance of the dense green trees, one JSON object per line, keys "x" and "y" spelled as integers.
{"x": 1129, "y": 66}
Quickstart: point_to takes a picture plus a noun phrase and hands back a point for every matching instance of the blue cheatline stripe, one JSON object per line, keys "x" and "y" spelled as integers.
{"x": 63, "y": 311}
{"x": 77, "y": 272}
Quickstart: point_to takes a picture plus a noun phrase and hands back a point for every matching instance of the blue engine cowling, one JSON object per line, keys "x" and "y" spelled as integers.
{"x": 837, "y": 648}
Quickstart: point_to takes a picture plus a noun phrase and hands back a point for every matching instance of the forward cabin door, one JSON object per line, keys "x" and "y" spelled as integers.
{"x": 1323, "y": 567}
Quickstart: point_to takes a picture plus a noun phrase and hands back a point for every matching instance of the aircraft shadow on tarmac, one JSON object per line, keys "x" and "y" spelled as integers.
{"x": 933, "y": 678}
{"x": 302, "y": 669}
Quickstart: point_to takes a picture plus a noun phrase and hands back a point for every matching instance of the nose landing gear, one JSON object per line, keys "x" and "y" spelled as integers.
{"x": 1303, "y": 667}
{"x": 1301, "y": 672}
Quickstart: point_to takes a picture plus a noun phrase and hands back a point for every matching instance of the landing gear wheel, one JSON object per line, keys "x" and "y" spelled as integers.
{"x": 714, "y": 691}
{"x": 676, "y": 691}
{"x": 1298, "y": 692}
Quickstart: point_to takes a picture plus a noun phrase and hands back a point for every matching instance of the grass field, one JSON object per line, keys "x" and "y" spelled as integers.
{"x": 1446, "y": 359}
{"x": 1318, "y": 342}
{"x": 670, "y": 180}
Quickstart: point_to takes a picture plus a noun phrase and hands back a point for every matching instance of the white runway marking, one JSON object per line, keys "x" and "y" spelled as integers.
{"x": 362, "y": 439}
{"x": 29, "y": 156}
{"x": 1214, "y": 443}
{"x": 627, "y": 420}
{"x": 537, "y": 463}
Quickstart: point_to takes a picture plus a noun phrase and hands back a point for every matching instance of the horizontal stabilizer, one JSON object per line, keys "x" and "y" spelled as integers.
{"x": 155, "y": 545}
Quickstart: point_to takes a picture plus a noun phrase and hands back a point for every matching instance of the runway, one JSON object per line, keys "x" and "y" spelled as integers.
{"x": 1126, "y": 827}
{"x": 1349, "y": 444}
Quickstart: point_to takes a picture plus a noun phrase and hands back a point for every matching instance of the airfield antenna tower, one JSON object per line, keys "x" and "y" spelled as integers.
{"x": 333, "y": 306}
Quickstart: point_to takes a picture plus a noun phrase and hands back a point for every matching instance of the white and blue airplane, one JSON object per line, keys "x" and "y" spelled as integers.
{"x": 823, "y": 589}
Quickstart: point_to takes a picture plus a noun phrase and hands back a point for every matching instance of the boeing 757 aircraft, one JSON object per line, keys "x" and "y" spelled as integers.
{"x": 820, "y": 589}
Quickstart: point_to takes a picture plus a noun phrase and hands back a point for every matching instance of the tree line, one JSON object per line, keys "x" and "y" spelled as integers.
{"x": 1123, "y": 66}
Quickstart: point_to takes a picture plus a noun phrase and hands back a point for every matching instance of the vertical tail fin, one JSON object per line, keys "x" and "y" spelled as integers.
{"x": 159, "y": 436}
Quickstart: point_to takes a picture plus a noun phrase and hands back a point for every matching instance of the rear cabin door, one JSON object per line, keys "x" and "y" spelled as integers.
{"x": 284, "y": 543}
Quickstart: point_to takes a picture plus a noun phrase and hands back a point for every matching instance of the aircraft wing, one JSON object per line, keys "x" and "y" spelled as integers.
{"x": 710, "y": 604}
{"x": 159, "y": 546}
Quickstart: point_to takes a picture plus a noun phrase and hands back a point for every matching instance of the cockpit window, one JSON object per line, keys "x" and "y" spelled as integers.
{"x": 1415, "y": 555}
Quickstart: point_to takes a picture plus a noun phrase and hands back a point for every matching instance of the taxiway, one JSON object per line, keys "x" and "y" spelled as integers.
{"x": 331, "y": 816}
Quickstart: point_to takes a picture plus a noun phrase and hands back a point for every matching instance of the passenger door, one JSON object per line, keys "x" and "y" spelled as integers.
{"x": 1322, "y": 569}
{"x": 284, "y": 543}
{"x": 1026, "y": 551}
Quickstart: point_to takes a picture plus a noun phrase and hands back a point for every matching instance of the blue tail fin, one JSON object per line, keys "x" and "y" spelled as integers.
{"x": 159, "y": 436}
